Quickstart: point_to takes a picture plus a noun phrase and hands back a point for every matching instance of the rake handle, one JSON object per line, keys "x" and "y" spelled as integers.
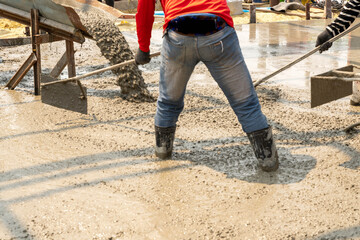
{"x": 97, "y": 71}
{"x": 305, "y": 55}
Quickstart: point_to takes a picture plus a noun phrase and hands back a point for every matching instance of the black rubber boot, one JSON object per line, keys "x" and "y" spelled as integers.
{"x": 164, "y": 141}
{"x": 264, "y": 148}
{"x": 353, "y": 103}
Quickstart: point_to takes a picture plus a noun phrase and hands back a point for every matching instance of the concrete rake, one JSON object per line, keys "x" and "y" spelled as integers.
{"x": 73, "y": 96}
{"x": 305, "y": 55}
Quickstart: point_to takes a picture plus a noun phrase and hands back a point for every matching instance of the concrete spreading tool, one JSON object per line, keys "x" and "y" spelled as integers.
{"x": 305, "y": 55}
{"x": 328, "y": 86}
{"x": 53, "y": 91}
{"x": 73, "y": 79}
{"x": 332, "y": 85}
{"x": 64, "y": 96}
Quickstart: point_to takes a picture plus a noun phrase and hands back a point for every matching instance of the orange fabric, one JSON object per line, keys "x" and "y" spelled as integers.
{"x": 173, "y": 9}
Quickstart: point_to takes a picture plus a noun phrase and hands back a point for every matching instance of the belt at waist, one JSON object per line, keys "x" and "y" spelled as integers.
{"x": 197, "y": 25}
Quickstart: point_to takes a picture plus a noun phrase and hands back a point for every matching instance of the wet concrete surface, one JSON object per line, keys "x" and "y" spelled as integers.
{"x": 65, "y": 175}
{"x": 269, "y": 46}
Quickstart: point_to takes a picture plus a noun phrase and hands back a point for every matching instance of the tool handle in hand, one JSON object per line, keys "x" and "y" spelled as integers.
{"x": 305, "y": 56}
{"x": 98, "y": 71}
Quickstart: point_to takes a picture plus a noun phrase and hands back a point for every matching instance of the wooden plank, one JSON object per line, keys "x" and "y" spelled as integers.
{"x": 287, "y": 13}
{"x": 345, "y": 74}
{"x": 307, "y": 11}
{"x": 59, "y": 67}
{"x": 36, "y": 50}
{"x": 328, "y": 13}
{"x": 6, "y": 42}
{"x": 247, "y": 5}
{"x": 18, "y": 76}
{"x": 27, "y": 31}
{"x": 46, "y": 38}
{"x": 39, "y": 39}
{"x": 71, "y": 59}
{"x": 71, "y": 66}
{"x": 252, "y": 14}
{"x": 336, "y": 78}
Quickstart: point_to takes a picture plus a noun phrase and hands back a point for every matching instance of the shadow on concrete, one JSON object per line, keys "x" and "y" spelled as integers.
{"x": 42, "y": 173}
{"x": 232, "y": 156}
{"x": 344, "y": 234}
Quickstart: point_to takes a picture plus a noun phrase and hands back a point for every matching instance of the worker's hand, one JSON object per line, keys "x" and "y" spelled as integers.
{"x": 322, "y": 38}
{"x": 142, "y": 57}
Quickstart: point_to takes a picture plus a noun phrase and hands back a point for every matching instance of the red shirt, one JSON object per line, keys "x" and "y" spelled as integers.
{"x": 172, "y": 9}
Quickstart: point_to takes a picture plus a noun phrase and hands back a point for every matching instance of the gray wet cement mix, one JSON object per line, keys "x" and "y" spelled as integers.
{"x": 115, "y": 48}
{"x": 71, "y": 176}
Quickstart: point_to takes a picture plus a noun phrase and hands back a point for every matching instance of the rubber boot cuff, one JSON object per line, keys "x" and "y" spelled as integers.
{"x": 164, "y": 141}
{"x": 264, "y": 148}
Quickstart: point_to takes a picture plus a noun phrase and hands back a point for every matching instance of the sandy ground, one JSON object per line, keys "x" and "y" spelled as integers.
{"x": 67, "y": 175}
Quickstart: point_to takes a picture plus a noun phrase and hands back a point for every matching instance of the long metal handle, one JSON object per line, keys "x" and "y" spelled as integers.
{"x": 97, "y": 71}
{"x": 305, "y": 56}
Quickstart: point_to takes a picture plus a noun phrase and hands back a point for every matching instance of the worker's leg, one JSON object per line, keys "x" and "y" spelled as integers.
{"x": 222, "y": 55}
{"x": 178, "y": 62}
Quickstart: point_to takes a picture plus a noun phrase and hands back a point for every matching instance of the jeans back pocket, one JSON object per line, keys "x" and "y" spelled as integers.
{"x": 173, "y": 49}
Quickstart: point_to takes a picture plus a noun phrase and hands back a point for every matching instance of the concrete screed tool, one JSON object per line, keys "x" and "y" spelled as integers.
{"x": 305, "y": 55}
{"x": 72, "y": 79}
{"x": 53, "y": 92}
{"x": 328, "y": 86}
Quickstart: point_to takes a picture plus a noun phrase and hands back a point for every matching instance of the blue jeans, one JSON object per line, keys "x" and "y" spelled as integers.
{"x": 221, "y": 54}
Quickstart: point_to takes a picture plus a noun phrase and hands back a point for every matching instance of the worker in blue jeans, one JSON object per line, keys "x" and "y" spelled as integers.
{"x": 188, "y": 40}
